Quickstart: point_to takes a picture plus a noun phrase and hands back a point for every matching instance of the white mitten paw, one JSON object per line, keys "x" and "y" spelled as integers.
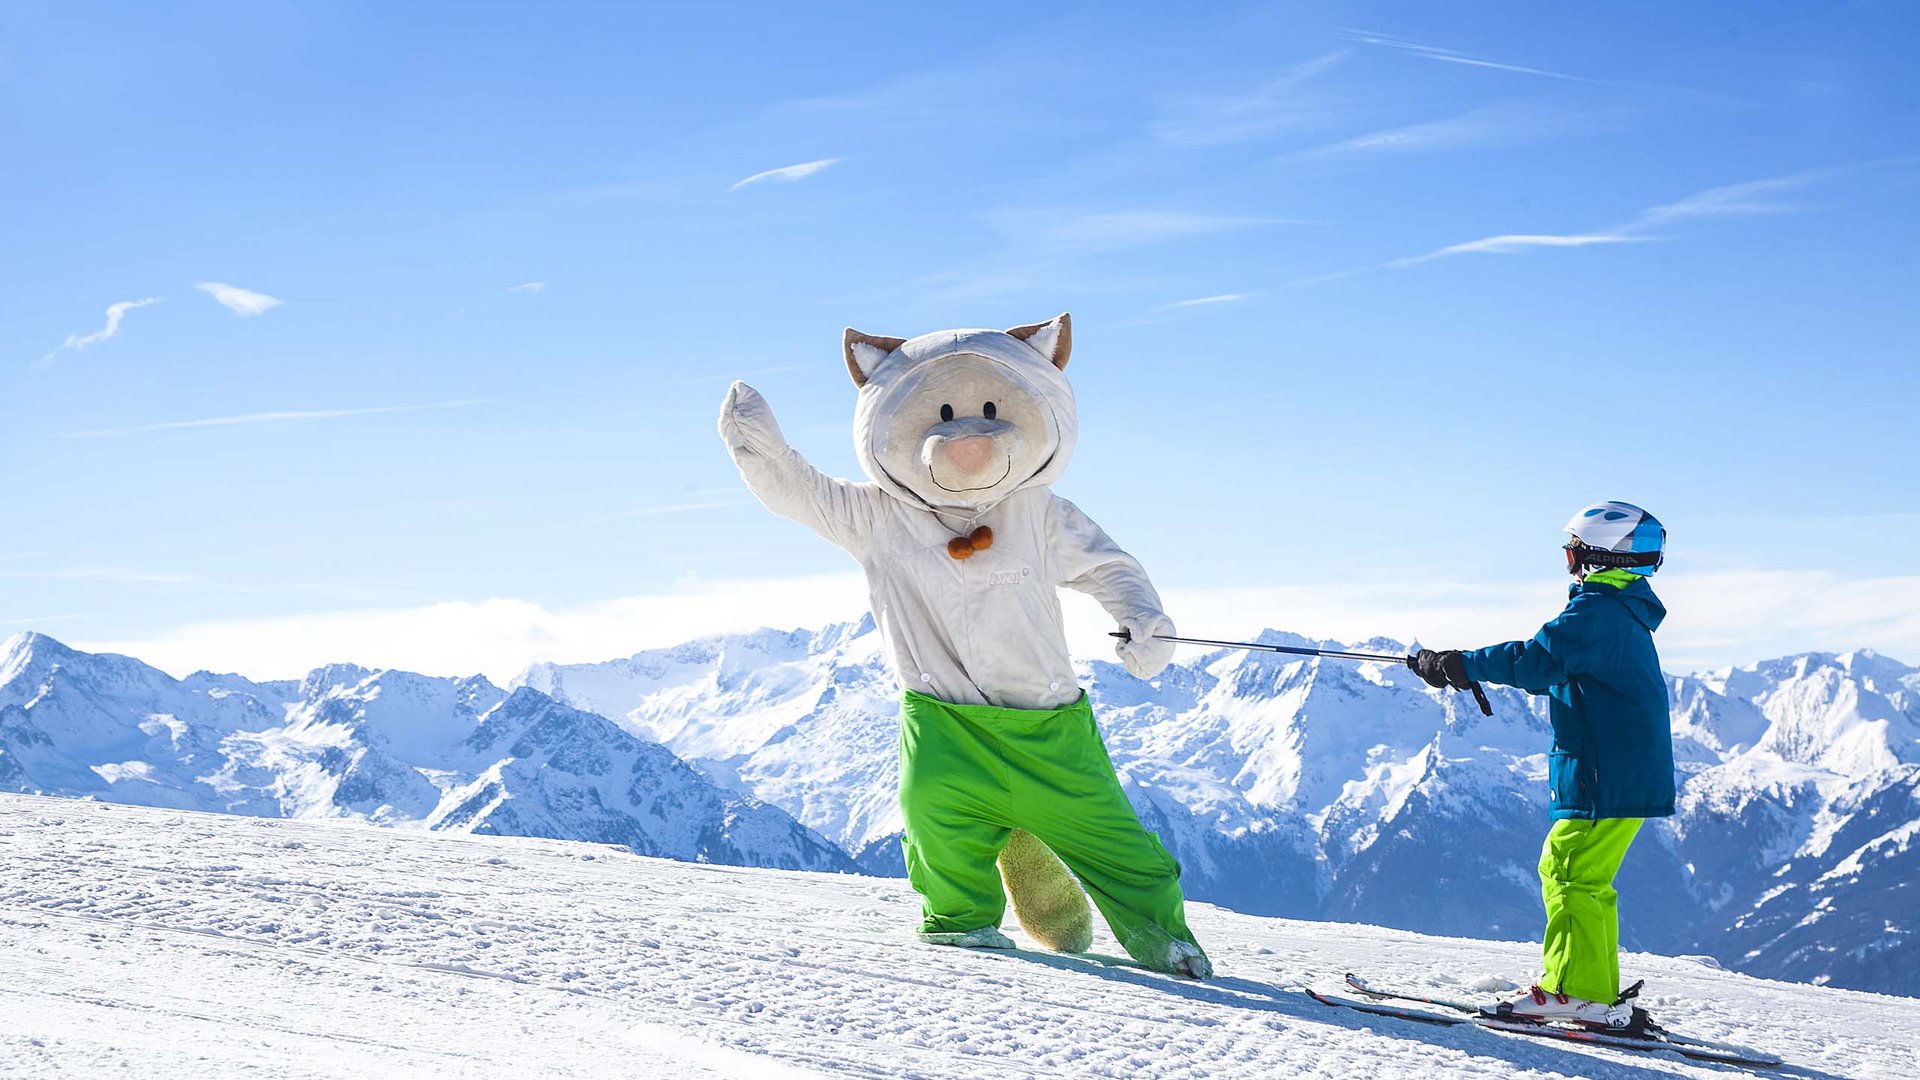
{"x": 747, "y": 423}
{"x": 1144, "y": 654}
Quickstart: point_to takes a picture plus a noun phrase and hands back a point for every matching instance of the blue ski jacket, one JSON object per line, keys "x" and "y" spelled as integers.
{"x": 1612, "y": 737}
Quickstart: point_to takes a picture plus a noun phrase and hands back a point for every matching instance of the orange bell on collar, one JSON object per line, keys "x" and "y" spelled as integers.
{"x": 963, "y": 547}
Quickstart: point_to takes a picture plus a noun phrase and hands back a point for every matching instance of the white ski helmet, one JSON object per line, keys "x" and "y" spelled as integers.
{"x": 1615, "y": 536}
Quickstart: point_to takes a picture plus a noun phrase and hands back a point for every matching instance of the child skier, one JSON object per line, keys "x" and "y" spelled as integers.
{"x": 1612, "y": 759}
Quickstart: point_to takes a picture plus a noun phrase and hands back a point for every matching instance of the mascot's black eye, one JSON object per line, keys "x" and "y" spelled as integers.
{"x": 990, "y": 410}
{"x": 946, "y": 412}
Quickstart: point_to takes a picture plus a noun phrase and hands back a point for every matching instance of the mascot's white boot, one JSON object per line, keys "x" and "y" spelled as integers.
{"x": 964, "y": 546}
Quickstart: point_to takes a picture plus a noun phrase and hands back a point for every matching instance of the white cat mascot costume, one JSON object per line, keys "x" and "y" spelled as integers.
{"x": 964, "y": 548}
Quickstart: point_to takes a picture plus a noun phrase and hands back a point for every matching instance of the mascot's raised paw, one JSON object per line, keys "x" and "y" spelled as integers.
{"x": 1144, "y": 654}
{"x": 747, "y": 423}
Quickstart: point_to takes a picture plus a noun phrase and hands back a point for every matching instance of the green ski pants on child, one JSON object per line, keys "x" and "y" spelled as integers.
{"x": 1581, "y": 952}
{"x": 970, "y": 774}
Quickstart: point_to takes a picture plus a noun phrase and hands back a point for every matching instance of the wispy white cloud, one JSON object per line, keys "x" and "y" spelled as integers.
{"x": 1201, "y": 301}
{"x": 271, "y": 418}
{"x": 115, "y": 313}
{"x": 1282, "y": 103}
{"x": 529, "y": 287}
{"x": 24, "y": 622}
{"x": 242, "y": 302}
{"x": 985, "y": 91}
{"x": 1734, "y": 616}
{"x": 681, "y": 508}
{"x": 1478, "y": 127}
{"x": 669, "y": 508}
{"x": 116, "y": 575}
{"x": 1089, "y": 233}
{"x": 729, "y": 376}
{"x": 787, "y": 173}
{"x": 1057, "y": 248}
{"x": 1720, "y": 617}
{"x": 497, "y": 637}
{"x": 1510, "y": 243}
{"x": 1312, "y": 280}
{"x": 1434, "y": 52}
{"x": 1750, "y": 197}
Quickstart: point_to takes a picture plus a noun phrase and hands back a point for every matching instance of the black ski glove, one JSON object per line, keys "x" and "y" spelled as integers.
{"x": 1441, "y": 669}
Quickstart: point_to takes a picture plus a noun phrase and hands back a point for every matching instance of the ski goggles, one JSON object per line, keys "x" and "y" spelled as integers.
{"x": 1579, "y": 555}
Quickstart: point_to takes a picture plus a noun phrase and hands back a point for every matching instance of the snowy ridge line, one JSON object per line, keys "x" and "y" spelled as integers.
{"x": 598, "y": 963}
{"x": 1338, "y": 791}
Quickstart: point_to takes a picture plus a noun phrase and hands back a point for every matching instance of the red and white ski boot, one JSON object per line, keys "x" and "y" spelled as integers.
{"x": 1549, "y": 1007}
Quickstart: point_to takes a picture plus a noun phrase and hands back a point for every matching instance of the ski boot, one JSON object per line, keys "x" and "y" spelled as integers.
{"x": 1542, "y": 1006}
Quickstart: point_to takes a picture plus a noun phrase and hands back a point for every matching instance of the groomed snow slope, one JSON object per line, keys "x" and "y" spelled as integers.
{"x": 160, "y": 944}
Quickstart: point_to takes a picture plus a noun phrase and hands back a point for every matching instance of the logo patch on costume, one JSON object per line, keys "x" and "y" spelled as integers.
{"x": 1009, "y": 577}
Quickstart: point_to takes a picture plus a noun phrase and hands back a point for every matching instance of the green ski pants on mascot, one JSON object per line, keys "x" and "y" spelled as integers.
{"x": 970, "y": 774}
{"x": 1581, "y": 952}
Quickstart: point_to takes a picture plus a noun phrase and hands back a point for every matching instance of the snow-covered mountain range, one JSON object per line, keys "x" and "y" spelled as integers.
{"x": 389, "y": 747}
{"x": 1285, "y": 786}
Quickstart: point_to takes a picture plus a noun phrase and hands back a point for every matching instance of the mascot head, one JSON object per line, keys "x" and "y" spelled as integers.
{"x": 957, "y": 420}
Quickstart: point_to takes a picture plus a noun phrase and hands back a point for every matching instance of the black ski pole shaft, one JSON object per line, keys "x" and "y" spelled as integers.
{"x": 1479, "y": 695}
{"x": 1332, "y": 654}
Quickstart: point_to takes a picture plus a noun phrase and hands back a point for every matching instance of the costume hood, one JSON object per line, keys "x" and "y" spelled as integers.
{"x": 892, "y": 371}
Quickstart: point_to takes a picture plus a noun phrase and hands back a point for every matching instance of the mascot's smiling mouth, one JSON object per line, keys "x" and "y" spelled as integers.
{"x": 1004, "y": 473}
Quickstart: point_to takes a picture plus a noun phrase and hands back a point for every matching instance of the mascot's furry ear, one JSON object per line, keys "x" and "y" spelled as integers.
{"x": 1053, "y": 338}
{"x": 865, "y": 351}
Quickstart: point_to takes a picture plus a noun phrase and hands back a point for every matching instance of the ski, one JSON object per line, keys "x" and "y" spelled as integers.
{"x": 1368, "y": 989}
{"x": 1457, "y": 1013}
{"x": 1657, "y": 1032}
{"x": 1398, "y": 1012}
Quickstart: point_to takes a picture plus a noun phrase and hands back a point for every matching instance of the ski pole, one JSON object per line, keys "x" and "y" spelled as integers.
{"x": 1479, "y": 695}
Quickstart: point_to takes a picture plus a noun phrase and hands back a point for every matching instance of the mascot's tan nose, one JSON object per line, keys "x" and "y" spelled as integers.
{"x": 970, "y": 454}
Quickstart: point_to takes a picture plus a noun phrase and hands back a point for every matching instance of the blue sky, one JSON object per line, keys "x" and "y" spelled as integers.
{"x": 1367, "y": 299}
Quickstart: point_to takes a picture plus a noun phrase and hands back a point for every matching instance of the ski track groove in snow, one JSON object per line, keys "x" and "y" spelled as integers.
{"x": 158, "y": 943}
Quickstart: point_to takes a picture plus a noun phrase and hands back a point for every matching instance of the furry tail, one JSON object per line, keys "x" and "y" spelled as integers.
{"x": 1046, "y": 899}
